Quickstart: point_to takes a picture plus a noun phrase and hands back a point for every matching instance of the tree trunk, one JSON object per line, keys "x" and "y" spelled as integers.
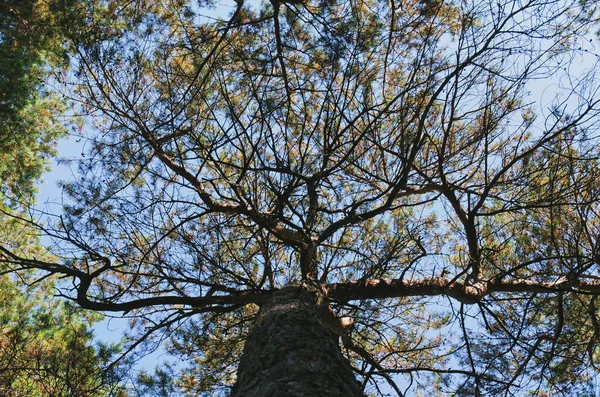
{"x": 291, "y": 353}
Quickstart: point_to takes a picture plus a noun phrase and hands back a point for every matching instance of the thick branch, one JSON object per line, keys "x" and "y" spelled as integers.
{"x": 241, "y": 298}
{"x": 469, "y": 294}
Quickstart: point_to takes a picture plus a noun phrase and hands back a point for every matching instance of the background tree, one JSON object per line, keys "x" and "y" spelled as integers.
{"x": 46, "y": 347}
{"x": 45, "y": 344}
{"x": 395, "y": 161}
{"x": 29, "y": 44}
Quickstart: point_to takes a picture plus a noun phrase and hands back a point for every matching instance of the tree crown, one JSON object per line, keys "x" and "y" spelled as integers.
{"x": 389, "y": 151}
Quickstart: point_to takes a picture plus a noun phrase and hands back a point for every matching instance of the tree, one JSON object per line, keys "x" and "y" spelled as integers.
{"x": 45, "y": 344}
{"x": 29, "y": 45}
{"x": 391, "y": 164}
{"x": 46, "y": 347}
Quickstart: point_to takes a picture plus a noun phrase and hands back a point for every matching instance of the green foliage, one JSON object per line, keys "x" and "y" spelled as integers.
{"x": 30, "y": 43}
{"x": 45, "y": 347}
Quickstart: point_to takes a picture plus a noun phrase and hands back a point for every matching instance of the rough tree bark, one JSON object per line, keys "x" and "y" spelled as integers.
{"x": 290, "y": 351}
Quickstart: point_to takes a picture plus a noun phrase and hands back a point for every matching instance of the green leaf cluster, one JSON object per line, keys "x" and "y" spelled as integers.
{"x": 45, "y": 347}
{"x": 30, "y": 44}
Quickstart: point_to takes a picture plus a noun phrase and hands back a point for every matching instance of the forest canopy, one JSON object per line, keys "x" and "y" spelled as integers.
{"x": 428, "y": 169}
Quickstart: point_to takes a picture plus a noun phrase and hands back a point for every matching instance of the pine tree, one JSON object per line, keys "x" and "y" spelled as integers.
{"x": 338, "y": 198}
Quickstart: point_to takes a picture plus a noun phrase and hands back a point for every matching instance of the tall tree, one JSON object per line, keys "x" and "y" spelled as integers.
{"x": 286, "y": 175}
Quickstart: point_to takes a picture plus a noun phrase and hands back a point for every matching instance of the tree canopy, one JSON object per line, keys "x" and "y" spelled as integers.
{"x": 430, "y": 165}
{"x": 29, "y": 110}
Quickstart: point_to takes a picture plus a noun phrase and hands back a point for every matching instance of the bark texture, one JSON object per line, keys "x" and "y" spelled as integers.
{"x": 291, "y": 352}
